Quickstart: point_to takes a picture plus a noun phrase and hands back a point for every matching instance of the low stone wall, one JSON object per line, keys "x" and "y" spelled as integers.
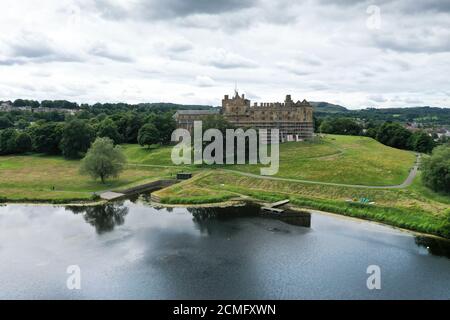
{"x": 151, "y": 186}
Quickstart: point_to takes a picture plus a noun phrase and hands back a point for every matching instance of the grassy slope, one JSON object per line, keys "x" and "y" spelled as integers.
{"x": 407, "y": 208}
{"x": 342, "y": 159}
{"x": 339, "y": 159}
{"x": 32, "y": 177}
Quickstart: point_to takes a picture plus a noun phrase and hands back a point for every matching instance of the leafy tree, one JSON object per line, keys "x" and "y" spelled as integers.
{"x": 317, "y": 122}
{"x": 372, "y": 132}
{"x": 421, "y": 141}
{"x": 77, "y": 136}
{"x": 341, "y": 126}
{"x": 394, "y": 135}
{"x": 46, "y": 137}
{"x": 8, "y": 141}
{"x": 103, "y": 160}
{"x": 436, "y": 169}
{"x": 26, "y": 103}
{"x": 23, "y": 142}
{"x": 107, "y": 128}
{"x": 148, "y": 135}
{"x": 22, "y": 124}
{"x": 216, "y": 122}
{"x": 165, "y": 124}
{"x": 5, "y": 122}
{"x": 130, "y": 123}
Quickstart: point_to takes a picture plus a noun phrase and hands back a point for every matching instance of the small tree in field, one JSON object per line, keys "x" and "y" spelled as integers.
{"x": 103, "y": 160}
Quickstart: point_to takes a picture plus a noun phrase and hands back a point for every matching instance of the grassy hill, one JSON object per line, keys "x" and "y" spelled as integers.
{"x": 337, "y": 159}
{"x": 326, "y": 107}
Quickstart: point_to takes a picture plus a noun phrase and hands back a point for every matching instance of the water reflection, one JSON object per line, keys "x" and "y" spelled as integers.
{"x": 103, "y": 217}
{"x": 437, "y": 247}
{"x": 203, "y": 217}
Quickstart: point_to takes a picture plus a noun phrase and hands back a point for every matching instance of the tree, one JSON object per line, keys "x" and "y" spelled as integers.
{"x": 394, "y": 135}
{"x": 46, "y": 137}
{"x": 108, "y": 129}
{"x": 129, "y": 125}
{"x": 23, "y": 142}
{"x": 148, "y": 135}
{"x": 77, "y": 136}
{"x": 165, "y": 124}
{"x": 22, "y": 124}
{"x": 341, "y": 126}
{"x": 103, "y": 160}
{"x": 436, "y": 169}
{"x": 8, "y": 141}
{"x": 5, "y": 122}
{"x": 421, "y": 141}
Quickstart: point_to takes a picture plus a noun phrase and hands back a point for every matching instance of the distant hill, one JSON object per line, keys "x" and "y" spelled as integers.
{"x": 325, "y": 107}
{"x": 421, "y": 115}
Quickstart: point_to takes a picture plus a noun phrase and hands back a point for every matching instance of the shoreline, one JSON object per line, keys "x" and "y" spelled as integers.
{"x": 235, "y": 203}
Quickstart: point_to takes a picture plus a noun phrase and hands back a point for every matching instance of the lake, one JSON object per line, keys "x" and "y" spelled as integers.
{"x": 131, "y": 250}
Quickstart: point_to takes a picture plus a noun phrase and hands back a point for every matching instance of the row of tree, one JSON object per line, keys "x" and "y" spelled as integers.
{"x": 73, "y": 137}
{"x": 392, "y": 134}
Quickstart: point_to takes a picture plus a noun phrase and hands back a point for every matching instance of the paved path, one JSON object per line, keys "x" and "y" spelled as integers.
{"x": 404, "y": 184}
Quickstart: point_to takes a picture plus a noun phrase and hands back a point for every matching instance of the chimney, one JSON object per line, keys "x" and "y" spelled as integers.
{"x": 243, "y": 96}
{"x": 226, "y": 97}
{"x": 288, "y": 97}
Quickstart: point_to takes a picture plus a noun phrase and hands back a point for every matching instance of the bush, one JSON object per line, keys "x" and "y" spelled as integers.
{"x": 436, "y": 169}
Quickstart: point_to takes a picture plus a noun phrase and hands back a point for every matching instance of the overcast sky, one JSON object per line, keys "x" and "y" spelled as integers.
{"x": 194, "y": 51}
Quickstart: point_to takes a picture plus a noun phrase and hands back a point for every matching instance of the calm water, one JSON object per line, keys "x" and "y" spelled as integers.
{"x": 131, "y": 250}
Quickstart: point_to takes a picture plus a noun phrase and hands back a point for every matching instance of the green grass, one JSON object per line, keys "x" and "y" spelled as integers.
{"x": 154, "y": 156}
{"x": 342, "y": 159}
{"x": 33, "y": 178}
{"x": 337, "y": 159}
{"x": 401, "y": 208}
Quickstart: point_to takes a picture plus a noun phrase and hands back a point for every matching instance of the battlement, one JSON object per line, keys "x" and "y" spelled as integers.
{"x": 293, "y": 119}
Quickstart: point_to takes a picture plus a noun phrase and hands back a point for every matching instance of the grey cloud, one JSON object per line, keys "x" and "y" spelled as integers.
{"x": 377, "y": 98}
{"x": 227, "y": 60}
{"x": 423, "y": 42}
{"x": 168, "y": 9}
{"x": 101, "y": 50}
{"x": 180, "y": 8}
{"x": 425, "y": 6}
{"x": 33, "y": 47}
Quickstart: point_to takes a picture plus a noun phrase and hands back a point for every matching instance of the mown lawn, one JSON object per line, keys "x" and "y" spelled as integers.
{"x": 38, "y": 177}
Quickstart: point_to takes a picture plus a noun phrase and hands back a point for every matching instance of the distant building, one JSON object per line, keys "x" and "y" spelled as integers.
{"x": 185, "y": 118}
{"x": 293, "y": 119}
{"x": 5, "y": 106}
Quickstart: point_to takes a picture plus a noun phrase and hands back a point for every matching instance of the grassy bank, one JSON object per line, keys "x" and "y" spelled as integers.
{"x": 408, "y": 208}
{"x": 338, "y": 159}
{"x": 334, "y": 158}
{"x": 55, "y": 179}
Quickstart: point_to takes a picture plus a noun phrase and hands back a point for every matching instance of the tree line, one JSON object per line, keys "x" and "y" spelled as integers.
{"x": 392, "y": 134}
{"x": 73, "y": 136}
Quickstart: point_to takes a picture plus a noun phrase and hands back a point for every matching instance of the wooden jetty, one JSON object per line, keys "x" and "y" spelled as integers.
{"x": 273, "y": 208}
